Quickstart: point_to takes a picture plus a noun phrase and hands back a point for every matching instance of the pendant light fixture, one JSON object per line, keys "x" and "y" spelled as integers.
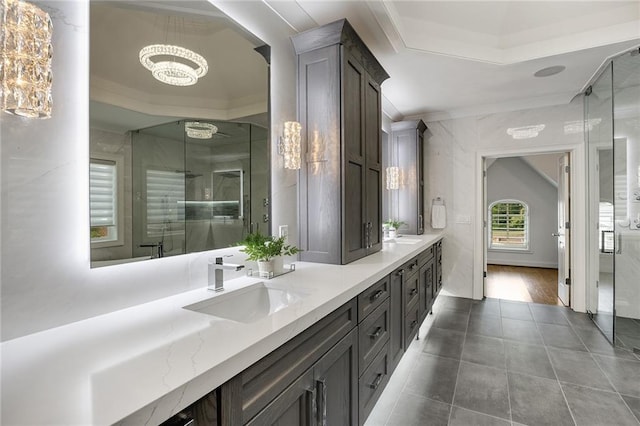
{"x": 25, "y": 59}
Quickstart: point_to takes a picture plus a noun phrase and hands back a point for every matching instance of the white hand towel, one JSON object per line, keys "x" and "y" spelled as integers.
{"x": 438, "y": 216}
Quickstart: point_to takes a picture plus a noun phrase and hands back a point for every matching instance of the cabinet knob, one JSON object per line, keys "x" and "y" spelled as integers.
{"x": 377, "y": 295}
{"x": 377, "y": 381}
{"x": 413, "y": 292}
{"x": 401, "y": 272}
{"x": 376, "y": 333}
{"x": 413, "y": 324}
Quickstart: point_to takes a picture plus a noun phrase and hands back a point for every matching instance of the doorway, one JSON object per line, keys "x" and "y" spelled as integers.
{"x": 526, "y": 217}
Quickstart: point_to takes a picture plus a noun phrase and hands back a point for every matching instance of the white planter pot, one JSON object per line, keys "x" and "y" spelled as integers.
{"x": 393, "y": 233}
{"x": 265, "y": 268}
{"x": 278, "y": 265}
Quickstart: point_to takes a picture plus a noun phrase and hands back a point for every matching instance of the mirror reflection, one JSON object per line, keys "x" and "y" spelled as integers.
{"x": 179, "y": 155}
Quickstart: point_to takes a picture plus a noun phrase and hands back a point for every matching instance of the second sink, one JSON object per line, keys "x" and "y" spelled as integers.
{"x": 248, "y": 304}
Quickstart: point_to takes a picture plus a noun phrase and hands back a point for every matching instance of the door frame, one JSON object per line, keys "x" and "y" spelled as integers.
{"x": 577, "y": 217}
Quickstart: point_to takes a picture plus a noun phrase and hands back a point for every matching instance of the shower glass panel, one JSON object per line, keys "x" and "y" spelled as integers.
{"x": 194, "y": 192}
{"x": 626, "y": 133}
{"x": 599, "y": 132}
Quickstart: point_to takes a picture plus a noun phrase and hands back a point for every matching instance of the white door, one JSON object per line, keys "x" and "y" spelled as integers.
{"x": 485, "y": 229}
{"x": 564, "y": 271}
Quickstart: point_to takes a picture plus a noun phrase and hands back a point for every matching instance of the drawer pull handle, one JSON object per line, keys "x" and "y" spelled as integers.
{"x": 413, "y": 324}
{"x": 376, "y": 333}
{"x": 400, "y": 272}
{"x": 377, "y": 381}
{"x": 413, "y": 292}
{"x": 377, "y": 295}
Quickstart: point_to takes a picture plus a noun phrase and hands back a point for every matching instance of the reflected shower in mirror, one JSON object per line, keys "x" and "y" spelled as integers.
{"x": 175, "y": 168}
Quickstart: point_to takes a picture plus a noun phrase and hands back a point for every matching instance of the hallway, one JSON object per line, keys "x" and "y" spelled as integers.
{"x": 497, "y": 362}
{"x": 522, "y": 284}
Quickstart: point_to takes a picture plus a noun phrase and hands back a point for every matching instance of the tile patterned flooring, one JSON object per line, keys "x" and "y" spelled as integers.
{"x": 497, "y": 362}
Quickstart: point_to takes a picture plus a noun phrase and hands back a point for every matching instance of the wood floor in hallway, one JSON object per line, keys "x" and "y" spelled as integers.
{"x": 524, "y": 284}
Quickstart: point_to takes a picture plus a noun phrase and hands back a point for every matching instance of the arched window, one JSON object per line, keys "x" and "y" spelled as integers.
{"x": 509, "y": 229}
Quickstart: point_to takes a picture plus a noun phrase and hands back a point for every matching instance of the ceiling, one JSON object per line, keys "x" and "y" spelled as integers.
{"x": 459, "y": 58}
{"x": 124, "y": 95}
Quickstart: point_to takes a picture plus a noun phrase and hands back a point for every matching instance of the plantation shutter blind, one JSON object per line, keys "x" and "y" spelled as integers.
{"x": 165, "y": 200}
{"x": 102, "y": 192}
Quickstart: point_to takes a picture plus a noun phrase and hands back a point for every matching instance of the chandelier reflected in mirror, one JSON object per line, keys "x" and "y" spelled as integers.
{"x": 171, "y": 70}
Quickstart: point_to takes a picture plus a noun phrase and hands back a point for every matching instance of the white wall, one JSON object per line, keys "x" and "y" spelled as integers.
{"x": 46, "y": 280}
{"x": 454, "y": 154}
{"x": 513, "y": 178}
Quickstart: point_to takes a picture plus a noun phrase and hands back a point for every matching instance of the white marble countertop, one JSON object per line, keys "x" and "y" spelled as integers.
{"x": 143, "y": 364}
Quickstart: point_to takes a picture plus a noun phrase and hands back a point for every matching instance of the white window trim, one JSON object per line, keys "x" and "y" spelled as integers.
{"x": 118, "y": 159}
{"x": 527, "y": 235}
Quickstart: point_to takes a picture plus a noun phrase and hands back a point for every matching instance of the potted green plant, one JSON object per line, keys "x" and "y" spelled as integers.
{"x": 267, "y": 251}
{"x": 393, "y": 225}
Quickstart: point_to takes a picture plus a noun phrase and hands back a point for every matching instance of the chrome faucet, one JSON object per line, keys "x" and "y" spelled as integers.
{"x": 216, "y": 272}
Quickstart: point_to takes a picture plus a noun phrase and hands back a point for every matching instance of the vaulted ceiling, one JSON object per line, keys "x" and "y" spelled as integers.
{"x": 457, "y": 58}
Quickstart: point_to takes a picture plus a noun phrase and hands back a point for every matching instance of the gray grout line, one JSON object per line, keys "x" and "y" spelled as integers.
{"x": 455, "y": 387}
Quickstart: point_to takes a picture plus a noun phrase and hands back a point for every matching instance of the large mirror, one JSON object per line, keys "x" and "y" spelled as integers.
{"x": 179, "y": 139}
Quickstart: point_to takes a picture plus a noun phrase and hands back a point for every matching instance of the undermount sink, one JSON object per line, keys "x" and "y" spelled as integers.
{"x": 402, "y": 240}
{"x": 248, "y": 304}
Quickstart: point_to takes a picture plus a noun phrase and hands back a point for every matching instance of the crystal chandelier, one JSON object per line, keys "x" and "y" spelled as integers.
{"x": 290, "y": 145}
{"x": 171, "y": 71}
{"x": 25, "y": 60}
{"x": 198, "y": 130}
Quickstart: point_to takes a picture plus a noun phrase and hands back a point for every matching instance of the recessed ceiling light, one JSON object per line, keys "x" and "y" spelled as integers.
{"x": 549, "y": 71}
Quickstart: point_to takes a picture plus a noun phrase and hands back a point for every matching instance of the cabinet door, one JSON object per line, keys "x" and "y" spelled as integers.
{"x": 427, "y": 288}
{"x": 293, "y": 407}
{"x": 438, "y": 268}
{"x": 336, "y": 383}
{"x": 396, "y": 318}
{"x": 373, "y": 150}
{"x": 354, "y": 172}
{"x": 420, "y": 171}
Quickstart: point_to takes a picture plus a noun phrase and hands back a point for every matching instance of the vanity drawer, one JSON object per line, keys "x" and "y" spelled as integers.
{"x": 411, "y": 324}
{"x": 426, "y": 255}
{"x": 372, "y": 383}
{"x": 412, "y": 266}
{"x": 373, "y": 297}
{"x": 373, "y": 334}
{"x": 411, "y": 290}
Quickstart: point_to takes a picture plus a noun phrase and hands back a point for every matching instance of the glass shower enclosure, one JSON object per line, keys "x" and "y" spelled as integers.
{"x": 612, "y": 129}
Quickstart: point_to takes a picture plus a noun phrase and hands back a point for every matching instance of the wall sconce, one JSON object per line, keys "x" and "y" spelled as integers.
{"x": 393, "y": 177}
{"x": 289, "y": 146}
{"x": 25, "y": 63}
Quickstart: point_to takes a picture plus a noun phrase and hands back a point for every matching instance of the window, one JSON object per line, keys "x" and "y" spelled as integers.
{"x": 509, "y": 225}
{"x": 606, "y": 240}
{"x": 105, "y": 198}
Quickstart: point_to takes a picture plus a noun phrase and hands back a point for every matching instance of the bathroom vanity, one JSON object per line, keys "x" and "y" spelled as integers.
{"x": 335, "y": 343}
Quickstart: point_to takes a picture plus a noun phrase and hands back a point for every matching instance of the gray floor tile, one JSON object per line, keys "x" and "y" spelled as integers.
{"x": 487, "y": 307}
{"x": 624, "y": 374}
{"x": 443, "y": 342}
{"x": 434, "y": 378}
{"x": 627, "y": 326}
{"x": 537, "y": 401}
{"x": 522, "y": 331}
{"x": 578, "y": 368}
{"x": 560, "y": 336}
{"x": 528, "y": 359}
{"x": 485, "y": 326}
{"x": 597, "y": 343}
{"x": 549, "y": 314}
{"x": 482, "y": 389}
{"x": 451, "y": 320}
{"x": 633, "y": 404}
{"x": 456, "y": 304}
{"x": 630, "y": 341}
{"x": 484, "y": 350}
{"x": 463, "y": 417}
{"x": 579, "y": 319}
{"x": 515, "y": 310}
{"x": 418, "y": 411}
{"x": 596, "y": 407}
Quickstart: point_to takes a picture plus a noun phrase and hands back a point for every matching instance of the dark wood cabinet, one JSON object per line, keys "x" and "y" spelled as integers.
{"x": 333, "y": 372}
{"x": 340, "y": 109}
{"x": 405, "y": 150}
{"x": 396, "y": 316}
